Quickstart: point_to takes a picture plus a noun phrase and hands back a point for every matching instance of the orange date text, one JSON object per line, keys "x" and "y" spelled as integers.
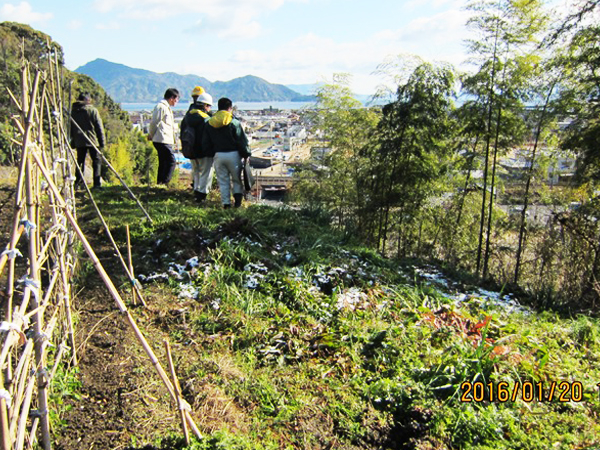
{"x": 527, "y": 391}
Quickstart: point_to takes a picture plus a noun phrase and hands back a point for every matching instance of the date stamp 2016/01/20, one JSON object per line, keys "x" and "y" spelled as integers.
{"x": 528, "y": 391}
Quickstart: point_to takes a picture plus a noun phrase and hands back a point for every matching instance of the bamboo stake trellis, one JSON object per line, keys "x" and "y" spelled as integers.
{"x": 37, "y": 300}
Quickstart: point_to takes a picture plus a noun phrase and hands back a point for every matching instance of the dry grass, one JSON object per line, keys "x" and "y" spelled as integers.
{"x": 8, "y": 176}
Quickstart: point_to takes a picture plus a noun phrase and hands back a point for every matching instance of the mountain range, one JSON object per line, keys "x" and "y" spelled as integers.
{"x": 129, "y": 85}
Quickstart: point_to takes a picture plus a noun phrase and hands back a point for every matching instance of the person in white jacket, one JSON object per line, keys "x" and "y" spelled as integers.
{"x": 162, "y": 134}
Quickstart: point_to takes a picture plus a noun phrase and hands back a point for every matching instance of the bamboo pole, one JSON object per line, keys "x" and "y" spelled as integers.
{"x": 177, "y": 392}
{"x": 114, "y": 293}
{"x": 12, "y": 245}
{"x": 132, "y": 274}
{"x": 126, "y": 268}
{"x": 42, "y": 383}
{"x": 46, "y": 252}
{"x": 24, "y": 415}
{"x": 21, "y": 374}
{"x": 67, "y": 306}
{"x": 4, "y": 439}
{"x": 113, "y": 170}
{"x": 32, "y": 214}
{"x": 19, "y": 393}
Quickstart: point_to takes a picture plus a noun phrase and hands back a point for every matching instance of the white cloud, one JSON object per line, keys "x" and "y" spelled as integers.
{"x": 311, "y": 58}
{"x": 23, "y": 13}
{"x": 233, "y": 19}
{"x": 446, "y": 26}
{"x": 307, "y": 59}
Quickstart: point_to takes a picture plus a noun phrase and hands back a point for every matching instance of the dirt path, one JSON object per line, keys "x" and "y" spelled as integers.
{"x": 120, "y": 395}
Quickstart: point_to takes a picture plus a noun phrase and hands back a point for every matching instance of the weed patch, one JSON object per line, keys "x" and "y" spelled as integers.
{"x": 288, "y": 335}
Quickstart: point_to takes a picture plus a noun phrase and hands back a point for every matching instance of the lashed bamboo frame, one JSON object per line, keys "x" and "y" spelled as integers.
{"x": 45, "y": 291}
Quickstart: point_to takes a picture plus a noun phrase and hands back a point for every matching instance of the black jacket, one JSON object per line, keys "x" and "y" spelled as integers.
{"x": 224, "y": 133}
{"x": 196, "y": 118}
{"x": 88, "y": 118}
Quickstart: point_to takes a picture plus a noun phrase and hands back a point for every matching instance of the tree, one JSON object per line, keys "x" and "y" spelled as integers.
{"x": 503, "y": 51}
{"x": 336, "y": 181}
{"x": 579, "y": 100}
{"x": 580, "y": 88}
{"x": 413, "y": 139}
{"x": 19, "y": 43}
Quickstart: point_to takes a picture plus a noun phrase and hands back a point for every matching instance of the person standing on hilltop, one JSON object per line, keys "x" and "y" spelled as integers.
{"x": 162, "y": 134}
{"x": 225, "y": 137}
{"x": 192, "y": 130}
{"x": 87, "y": 136}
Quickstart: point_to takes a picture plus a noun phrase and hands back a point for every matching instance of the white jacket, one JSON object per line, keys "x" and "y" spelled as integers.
{"x": 162, "y": 125}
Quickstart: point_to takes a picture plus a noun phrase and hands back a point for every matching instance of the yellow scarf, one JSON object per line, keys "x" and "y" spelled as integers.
{"x": 199, "y": 111}
{"x": 221, "y": 119}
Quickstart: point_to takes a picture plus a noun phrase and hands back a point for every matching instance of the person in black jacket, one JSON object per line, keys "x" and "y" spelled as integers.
{"x": 87, "y": 135}
{"x": 225, "y": 136}
{"x": 202, "y": 161}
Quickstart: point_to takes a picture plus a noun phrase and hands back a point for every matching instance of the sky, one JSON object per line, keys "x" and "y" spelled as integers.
{"x": 283, "y": 41}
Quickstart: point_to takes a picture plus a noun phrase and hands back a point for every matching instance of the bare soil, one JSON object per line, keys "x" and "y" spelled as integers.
{"x": 122, "y": 400}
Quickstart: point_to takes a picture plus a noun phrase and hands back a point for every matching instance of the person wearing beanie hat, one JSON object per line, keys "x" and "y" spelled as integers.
{"x": 87, "y": 136}
{"x": 202, "y": 162}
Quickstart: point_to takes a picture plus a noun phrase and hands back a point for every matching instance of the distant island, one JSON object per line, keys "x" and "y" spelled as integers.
{"x": 129, "y": 85}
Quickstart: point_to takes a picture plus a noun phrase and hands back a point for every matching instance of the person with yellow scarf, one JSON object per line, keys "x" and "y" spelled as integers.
{"x": 225, "y": 137}
{"x": 202, "y": 161}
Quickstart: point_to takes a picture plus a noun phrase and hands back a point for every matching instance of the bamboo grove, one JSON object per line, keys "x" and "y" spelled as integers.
{"x": 425, "y": 175}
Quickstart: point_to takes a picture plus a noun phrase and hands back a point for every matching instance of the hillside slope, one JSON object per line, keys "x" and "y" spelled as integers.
{"x": 18, "y": 41}
{"x": 288, "y": 335}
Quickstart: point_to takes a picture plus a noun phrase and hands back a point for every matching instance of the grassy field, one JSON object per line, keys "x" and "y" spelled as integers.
{"x": 288, "y": 336}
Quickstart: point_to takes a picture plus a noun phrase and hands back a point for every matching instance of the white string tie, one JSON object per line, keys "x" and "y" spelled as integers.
{"x": 18, "y": 316}
{"x": 30, "y": 283}
{"x": 12, "y": 254}
{"x": 33, "y": 285}
{"x": 29, "y": 225}
{"x": 5, "y": 395}
{"x": 9, "y": 326}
